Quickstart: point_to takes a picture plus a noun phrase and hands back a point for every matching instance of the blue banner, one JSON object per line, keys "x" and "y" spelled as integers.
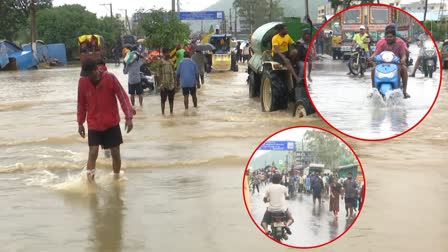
{"x": 278, "y": 145}
{"x": 201, "y": 15}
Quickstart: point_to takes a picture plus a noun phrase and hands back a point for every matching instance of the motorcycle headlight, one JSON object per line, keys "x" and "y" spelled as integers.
{"x": 385, "y": 75}
{"x": 387, "y": 57}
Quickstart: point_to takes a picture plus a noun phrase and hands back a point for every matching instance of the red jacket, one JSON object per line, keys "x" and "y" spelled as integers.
{"x": 100, "y": 104}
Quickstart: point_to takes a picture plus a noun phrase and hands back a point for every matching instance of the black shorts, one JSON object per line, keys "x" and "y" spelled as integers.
{"x": 166, "y": 93}
{"x": 317, "y": 194}
{"x": 135, "y": 89}
{"x": 189, "y": 90}
{"x": 350, "y": 202}
{"x": 107, "y": 139}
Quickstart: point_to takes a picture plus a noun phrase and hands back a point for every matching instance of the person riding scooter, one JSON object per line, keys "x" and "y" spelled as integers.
{"x": 276, "y": 195}
{"x": 399, "y": 48}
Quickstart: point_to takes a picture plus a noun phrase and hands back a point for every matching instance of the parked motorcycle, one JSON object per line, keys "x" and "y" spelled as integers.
{"x": 387, "y": 77}
{"x": 429, "y": 59}
{"x": 358, "y": 61}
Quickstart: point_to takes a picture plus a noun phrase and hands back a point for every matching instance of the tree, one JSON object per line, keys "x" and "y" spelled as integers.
{"x": 211, "y": 30}
{"x": 65, "y": 24}
{"x": 164, "y": 29}
{"x": 15, "y": 14}
{"x": 259, "y": 12}
{"x": 328, "y": 149}
{"x": 111, "y": 29}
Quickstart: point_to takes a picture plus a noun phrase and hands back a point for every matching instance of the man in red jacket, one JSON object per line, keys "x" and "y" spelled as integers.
{"x": 97, "y": 92}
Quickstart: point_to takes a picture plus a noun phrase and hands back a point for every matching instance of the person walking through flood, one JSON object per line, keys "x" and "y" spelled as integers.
{"x": 132, "y": 69}
{"x": 199, "y": 58}
{"x": 350, "y": 193}
{"x": 317, "y": 185}
{"x": 187, "y": 76}
{"x": 335, "y": 192}
{"x": 256, "y": 182}
{"x": 166, "y": 80}
{"x": 97, "y": 100}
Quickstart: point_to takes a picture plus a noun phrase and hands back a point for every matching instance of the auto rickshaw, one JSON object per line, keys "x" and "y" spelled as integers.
{"x": 222, "y": 58}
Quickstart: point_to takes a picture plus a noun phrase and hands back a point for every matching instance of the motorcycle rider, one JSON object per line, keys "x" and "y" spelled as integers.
{"x": 399, "y": 48}
{"x": 421, "y": 40}
{"x": 363, "y": 40}
{"x": 276, "y": 195}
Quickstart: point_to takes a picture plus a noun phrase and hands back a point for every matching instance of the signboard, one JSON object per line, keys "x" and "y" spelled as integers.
{"x": 201, "y": 15}
{"x": 278, "y": 145}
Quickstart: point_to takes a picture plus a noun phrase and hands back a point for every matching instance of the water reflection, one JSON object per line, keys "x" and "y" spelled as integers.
{"x": 106, "y": 208}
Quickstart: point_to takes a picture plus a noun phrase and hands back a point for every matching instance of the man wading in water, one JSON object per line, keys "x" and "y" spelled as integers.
{"x": 97, "y": 98}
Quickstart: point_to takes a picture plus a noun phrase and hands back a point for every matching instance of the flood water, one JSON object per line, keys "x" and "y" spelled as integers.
{"x": 313, "y": 224}
{"x": 183, "y": 175}
{"x": 342, "y": 101}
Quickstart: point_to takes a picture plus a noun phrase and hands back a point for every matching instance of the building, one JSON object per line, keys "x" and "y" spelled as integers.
{"x": 420, "y": 6}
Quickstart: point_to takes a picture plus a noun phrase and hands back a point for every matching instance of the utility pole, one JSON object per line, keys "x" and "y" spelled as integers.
{"x": 173, "y": 6}
{"x": 33, "y": 28}
{"x": 236, "y": 31}
{"x": 426, "y": 9}
{"x": 270, "y": 11}
{"x": 110, "y": 8}
{"x": 126, "y": 20}
{"x": 230, "y": 21}
{"x": 178, "y": 6}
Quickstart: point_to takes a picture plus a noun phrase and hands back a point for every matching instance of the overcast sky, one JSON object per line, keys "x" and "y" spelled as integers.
{"x": 133, "y": 5}
{"x": 295, "y": 135}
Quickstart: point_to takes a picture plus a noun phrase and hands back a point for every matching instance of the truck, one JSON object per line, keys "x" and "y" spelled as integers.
{"x": 374, "y": 18}
{"x": 270, "y": 80}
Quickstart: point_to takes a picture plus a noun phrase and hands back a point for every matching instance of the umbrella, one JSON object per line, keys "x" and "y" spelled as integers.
{"x": 204, "y": 47}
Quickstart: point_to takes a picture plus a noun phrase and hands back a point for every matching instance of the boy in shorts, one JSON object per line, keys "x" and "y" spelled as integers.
{"x": 97, "y": 100}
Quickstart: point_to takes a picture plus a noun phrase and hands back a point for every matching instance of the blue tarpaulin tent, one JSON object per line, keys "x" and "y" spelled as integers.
{"x": 17, "y": 58}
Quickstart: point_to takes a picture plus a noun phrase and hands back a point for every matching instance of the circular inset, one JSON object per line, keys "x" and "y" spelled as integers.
{"x": 304, "y": 187}
{"x": 368, "y": 55}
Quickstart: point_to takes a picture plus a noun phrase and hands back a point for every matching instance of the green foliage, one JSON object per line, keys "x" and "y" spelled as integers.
{"x": 259, "y": 12}
{"x": 438, "y": 29}
{"x": 111, "y": 29}
{"x": 163, "y": 29}
{"x": 14, "y": 17}
{"x": 328, "y": 149}
{"x": 65, "y": 24}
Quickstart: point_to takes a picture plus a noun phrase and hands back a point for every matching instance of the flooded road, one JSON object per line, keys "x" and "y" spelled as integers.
{"x": 342, "y": 101}
{"x": 313, "y": 225}
{"x": 183, "y": 187}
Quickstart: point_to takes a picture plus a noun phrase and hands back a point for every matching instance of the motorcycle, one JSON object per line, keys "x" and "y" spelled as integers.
{"x": 147, "y": 81}
{"x": 278, "y": 224}
{"x": 429, "y": 59}
{"x": 358, "y": 60}
{"x": 386, "y": 77}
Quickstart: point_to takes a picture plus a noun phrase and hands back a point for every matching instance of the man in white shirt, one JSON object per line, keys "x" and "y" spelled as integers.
{"x": 276, "y": 195}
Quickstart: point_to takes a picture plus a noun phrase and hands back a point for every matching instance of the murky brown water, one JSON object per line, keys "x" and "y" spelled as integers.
{"x": 183, "y": 188}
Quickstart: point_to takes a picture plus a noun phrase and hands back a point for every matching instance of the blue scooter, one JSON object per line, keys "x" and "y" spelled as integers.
{"x": 387, "y": 77}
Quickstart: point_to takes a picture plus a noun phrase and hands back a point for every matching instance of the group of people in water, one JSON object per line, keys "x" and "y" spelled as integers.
{"x": 281, "y": 186}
